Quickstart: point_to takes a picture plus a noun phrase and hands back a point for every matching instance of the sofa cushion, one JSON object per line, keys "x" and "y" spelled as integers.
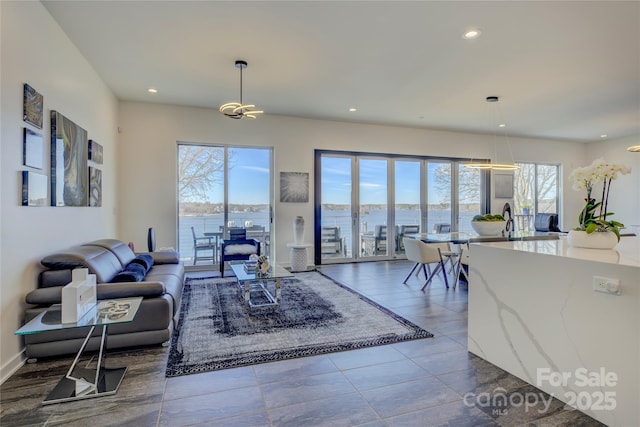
{"x": 144, "y": 260}
{"x": 132, "y": 273}
{"x": 120, "y": 249}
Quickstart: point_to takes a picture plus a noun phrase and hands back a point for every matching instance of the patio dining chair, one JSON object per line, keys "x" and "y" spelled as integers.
{"x": 203, "y": 244}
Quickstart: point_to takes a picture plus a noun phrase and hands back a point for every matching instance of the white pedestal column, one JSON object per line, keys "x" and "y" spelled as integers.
{"x": 299, "y": 256}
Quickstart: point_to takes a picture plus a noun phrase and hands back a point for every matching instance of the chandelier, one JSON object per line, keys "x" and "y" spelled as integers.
{"x": 238, "y": 110}
{"x": 495, "y": 166}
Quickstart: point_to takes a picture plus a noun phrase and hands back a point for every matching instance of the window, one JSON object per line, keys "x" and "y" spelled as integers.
{"x": 536, "y": 190}
{"x": 221, "y": 187}
{"x": 359, "y": 194}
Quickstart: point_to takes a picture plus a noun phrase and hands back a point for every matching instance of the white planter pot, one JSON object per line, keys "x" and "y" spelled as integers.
{"x": 595, "y": 240}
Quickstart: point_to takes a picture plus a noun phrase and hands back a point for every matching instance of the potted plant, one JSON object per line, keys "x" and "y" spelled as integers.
{"x": 526, "y": 209}
{"x": 594, "y": 217}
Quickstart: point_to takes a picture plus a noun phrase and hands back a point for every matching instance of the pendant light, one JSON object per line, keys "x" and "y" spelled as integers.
{"x": 495, "y": 166}
{"x": 238, "y": 110}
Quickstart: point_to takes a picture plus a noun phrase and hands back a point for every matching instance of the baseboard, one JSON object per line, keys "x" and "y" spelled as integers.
{"x": 12, "y": 366}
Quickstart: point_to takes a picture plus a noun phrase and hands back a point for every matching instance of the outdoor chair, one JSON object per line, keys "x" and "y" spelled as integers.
{"x": 331, "y": 242}
{"x": 237, "y": 247}
{"x": 441, "y": 228}
{"x": 202, "y": 244}
{"x": 403, "y": 231}
{"x": 380, "y": 245}
{"x": 425, "y": 254}
{"x": 546, "y": 222}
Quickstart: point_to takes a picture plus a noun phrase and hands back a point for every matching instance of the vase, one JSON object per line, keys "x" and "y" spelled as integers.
{"x": 595, "y": 240}
{"x": 298, "y": 230}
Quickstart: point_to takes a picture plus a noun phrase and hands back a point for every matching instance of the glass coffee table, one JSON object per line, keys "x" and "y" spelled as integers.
{"x": 254, "y": 289}
{"x": 85, "y": 382}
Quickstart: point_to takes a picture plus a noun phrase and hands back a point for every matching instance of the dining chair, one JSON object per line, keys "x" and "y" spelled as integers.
{"x": 425, "y": 254}
{"x": 203, "y": 244}
{"x": 462, "y": 264}
{"x": 464, "y": 261}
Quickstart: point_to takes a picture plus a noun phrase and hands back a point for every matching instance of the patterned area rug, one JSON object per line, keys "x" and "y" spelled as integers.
{"x": 316, "y": 316}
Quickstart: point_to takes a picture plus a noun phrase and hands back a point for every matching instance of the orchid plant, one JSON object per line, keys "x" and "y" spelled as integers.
{"x": 595, "y": 216}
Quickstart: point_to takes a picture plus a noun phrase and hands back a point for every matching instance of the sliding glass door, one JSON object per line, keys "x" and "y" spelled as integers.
{"x": 407, "y": 200}
{"x": 366, "y": 204}
{"x": 335, "y": 229}
{"x": 372, "y": 199}
{"x": 220, "y": 187}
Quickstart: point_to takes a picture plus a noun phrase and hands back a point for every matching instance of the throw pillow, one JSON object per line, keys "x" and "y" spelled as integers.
{"x": 132, "y": 273}
{"x": 144, "y": 260}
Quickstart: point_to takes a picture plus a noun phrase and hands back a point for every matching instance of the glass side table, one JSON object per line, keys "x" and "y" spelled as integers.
{"x": 85, "y": 382}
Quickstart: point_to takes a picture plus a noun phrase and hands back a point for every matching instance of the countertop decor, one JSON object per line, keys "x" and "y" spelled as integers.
{"x": 595, "y": 216}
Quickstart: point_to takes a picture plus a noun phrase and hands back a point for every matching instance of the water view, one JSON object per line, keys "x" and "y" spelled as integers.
{"x": 340, "y": 218}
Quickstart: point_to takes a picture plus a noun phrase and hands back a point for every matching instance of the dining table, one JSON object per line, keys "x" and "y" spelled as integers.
{"x": 458, "y": 238}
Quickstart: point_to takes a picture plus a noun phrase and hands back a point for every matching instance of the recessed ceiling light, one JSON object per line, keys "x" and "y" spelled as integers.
{"x": 604, "y": 135}
{"x": 152, "y": 90}
{"x": 502, "y": 125}
{"x": 472, "y": 34}
{"x": 353, "y": 109}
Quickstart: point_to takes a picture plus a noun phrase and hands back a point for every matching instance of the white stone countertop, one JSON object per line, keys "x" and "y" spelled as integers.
{"x": 626, "y": 252}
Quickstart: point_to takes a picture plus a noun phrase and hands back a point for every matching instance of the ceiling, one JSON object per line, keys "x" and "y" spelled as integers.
{"x": 565, "y": 70}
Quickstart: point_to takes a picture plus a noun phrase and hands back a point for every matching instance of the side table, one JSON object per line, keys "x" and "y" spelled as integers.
{"x": 82, "y": 382}
{"x": 299, "y": 256}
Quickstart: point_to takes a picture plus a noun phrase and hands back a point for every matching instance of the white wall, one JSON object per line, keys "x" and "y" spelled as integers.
{"x": 624, "y": 198}
{"x": 147, "y": 159}
{"x": 36, "y": 51}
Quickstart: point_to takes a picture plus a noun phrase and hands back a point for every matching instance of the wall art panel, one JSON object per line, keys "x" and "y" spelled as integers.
{"x": 69, "y": 171}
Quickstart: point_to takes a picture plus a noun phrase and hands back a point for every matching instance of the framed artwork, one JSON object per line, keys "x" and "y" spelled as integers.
{"x": 95, "y": 187}
{"x": 32, "y": 149}
{"x": 69, "y": 170}
{"x": 32, "y": 106}
{"x": 294, "y": 187}
{"x": 34, "y": 189}
{"x": 95, "y": 152}
{"x": 503, "y": 186}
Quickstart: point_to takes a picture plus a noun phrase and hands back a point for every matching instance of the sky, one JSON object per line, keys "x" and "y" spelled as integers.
{"x": 249, "y": 180}
{"x": 336, "y": 180}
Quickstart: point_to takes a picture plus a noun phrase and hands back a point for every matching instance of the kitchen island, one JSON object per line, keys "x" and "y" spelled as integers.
{"x": 565, "y": 320}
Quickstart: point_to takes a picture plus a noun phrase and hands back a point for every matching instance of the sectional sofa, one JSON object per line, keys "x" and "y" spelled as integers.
{"x": 112, "y": 261}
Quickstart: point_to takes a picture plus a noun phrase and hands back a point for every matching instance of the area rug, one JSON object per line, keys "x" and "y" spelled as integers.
{"x": 316, "y": 316}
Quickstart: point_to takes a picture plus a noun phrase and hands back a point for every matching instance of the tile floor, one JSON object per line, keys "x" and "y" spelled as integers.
{"x": 429, "y": 382}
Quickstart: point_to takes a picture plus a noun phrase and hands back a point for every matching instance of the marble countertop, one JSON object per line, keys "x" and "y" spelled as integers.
{"x": 626, "y": 252}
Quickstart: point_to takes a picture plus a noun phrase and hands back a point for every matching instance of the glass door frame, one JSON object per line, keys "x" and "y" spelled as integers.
{"x": 456, "y": 163}
{"x": 269, "y": 228}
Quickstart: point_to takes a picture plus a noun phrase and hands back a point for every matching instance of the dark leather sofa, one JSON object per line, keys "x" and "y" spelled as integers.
{"x": 154, "y": 322}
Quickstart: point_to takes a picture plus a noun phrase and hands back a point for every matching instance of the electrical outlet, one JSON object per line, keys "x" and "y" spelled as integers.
{"x": 606, "y": 285}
